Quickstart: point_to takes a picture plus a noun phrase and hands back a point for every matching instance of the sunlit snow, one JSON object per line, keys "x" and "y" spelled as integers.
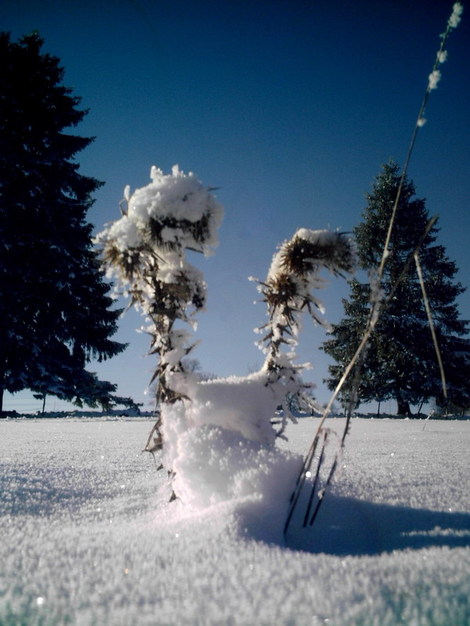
{"x": 89, "y": 537}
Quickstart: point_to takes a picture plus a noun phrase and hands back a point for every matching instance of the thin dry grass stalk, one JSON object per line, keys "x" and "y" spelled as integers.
{"x": 431, "y": 324}
{"x": 377, "y": 305}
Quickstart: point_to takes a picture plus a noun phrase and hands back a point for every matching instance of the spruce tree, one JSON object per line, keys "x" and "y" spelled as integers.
{"x": 400, "y": 362}
{"x": 55, "y": 310}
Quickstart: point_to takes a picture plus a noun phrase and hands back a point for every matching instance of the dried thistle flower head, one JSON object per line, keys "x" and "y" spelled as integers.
{"x": 288, "y": 292}
{"x": 310, "y": 250}
{"x": 292, "y": 277}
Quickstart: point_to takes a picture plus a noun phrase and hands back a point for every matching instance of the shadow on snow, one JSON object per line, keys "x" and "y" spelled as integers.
{"x": 349, "y": 526}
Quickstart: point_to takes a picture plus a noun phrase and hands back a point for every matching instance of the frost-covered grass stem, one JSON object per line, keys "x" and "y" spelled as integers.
{"x": 433, "y": 80}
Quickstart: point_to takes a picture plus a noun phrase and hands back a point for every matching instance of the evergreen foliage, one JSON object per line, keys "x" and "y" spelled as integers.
{"x": 400, "y": 362}
{"x": 54, "y": 304}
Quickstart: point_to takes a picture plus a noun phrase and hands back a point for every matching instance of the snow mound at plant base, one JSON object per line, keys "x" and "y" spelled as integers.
{"x": 224, "y": 454}
{"x": 244, "y": 404}
{"x": 217, "y": 465}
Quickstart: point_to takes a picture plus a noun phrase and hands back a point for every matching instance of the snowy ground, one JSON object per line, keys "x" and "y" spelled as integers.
{"x": 87, "y": 535}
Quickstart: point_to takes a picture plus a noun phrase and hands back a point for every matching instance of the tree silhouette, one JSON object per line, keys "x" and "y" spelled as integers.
{"x": 54, "y": 305}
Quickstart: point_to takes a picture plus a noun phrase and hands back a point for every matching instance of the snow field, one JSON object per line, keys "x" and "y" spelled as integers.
{"x": 88, "y": 535}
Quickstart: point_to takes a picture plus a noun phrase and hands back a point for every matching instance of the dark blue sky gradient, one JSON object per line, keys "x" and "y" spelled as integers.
{"x": 290, "y": 108}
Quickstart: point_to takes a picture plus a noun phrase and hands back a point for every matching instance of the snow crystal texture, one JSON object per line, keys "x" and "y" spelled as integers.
{"x": 89, "y": 537}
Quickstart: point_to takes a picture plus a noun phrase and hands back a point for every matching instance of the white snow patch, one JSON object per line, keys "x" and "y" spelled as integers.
{"x": 390, "y": 545}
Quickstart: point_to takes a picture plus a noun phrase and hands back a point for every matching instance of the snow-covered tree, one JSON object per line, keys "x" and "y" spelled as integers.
{"x": 55, "y": 310}
{"x": 400, "y": 361}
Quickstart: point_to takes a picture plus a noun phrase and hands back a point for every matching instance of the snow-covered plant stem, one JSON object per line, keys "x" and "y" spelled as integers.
{"x": 287, "y": 291}
{"x": 144, "y": 252}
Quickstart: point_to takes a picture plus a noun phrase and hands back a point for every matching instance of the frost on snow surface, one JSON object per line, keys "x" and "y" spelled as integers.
{"x": 89, "y": 537}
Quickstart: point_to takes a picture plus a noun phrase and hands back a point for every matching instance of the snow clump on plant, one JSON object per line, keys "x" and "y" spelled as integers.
{"x": 217, "y": 438}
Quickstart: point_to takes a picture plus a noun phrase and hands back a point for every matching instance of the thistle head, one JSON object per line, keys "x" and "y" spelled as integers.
{"x": 308, "y": 251}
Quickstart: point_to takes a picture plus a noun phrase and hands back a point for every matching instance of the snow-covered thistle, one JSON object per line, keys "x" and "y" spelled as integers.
{"x": 144, "y": 251}
{"x": 288, "y": 292}
{"x": 223, "y": 427}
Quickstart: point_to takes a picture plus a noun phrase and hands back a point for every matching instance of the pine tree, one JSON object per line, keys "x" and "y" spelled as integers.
{"x": 54, "y": 305}
{"x": 400, "y": 362}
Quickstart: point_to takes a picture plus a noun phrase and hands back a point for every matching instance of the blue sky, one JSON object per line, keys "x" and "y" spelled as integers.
{"x": 289, "y": 107}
